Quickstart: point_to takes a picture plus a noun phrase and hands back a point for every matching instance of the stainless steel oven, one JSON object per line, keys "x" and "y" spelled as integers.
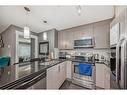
{"x": 81, "y": 79}
{"x": 87, "y": 42}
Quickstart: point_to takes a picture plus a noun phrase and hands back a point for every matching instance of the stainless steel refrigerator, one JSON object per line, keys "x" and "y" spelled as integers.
{"x": 121, "y": 62}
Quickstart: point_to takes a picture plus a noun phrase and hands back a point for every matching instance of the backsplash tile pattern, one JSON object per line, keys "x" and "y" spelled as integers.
{"x": 101, "y": 52}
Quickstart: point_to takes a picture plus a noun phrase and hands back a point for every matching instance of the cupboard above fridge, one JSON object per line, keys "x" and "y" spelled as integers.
{"x": 114, "y": 35}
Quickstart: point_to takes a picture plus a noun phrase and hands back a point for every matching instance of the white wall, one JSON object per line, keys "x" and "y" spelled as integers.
{"x": 8, "y": 37}
{"x": 9, "y": 40}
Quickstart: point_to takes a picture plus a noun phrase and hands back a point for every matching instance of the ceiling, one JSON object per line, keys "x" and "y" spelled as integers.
{"x": 59, "y": 17}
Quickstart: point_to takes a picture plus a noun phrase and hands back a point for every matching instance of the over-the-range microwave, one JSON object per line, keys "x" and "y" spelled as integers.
{"x": 87, "y": 42}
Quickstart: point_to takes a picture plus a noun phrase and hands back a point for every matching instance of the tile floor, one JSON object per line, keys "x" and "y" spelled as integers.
{"x": 69, "y": 85}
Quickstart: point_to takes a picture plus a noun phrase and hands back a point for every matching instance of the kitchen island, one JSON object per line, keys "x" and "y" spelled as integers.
{"x": 51, "y": 74}
{"x": 23, "y": 75}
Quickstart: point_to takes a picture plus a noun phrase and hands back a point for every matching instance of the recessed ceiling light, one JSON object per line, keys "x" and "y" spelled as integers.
{"x": 44, "y": 21}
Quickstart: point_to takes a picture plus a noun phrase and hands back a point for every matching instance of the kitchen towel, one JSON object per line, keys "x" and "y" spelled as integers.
{"x": 85, "y": 69}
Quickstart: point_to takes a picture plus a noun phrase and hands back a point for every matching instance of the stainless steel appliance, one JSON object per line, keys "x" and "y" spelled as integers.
{"x": 62, "y": 55}
{"x": 82, "y": 80}
{"x": 121, "y": 63}
{"x": 87, "y": 42}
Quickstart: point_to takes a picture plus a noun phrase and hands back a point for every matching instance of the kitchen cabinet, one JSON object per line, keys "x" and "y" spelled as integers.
{"x": 99, "y": 75}
{"x": 69, "y": 69}
{"x": 56, "y": 75}
{"x": 50, "y": 36}
{"x": 106, "y": 77}
{"x": 100, "y": 31}
{"x": 65, "y": 39}
{"x": 114, "y": 35}
{"x": 102, "y": 76}
{"x": 61, "y": 40}
{"x": 62, "y": 74}
{"x": 83, "y": 31}
{"x": 121, "y": 19}
{"x": 102, "y": 34}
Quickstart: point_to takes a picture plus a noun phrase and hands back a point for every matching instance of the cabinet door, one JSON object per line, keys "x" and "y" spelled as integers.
{"x": 62, "y": 40}
{"x": 100, "y": 75}
{"x": 69, "y": 69}
{"x": 53, "y": 77}
{"x": 62, "y": 76}
{"x": 122, "y": 21}
{"x": 102, "y": 34}
{"x": 69, "y": 40}
{"x": 114, "y": 34}
{"x": 56, "y": 75}
{"x": 83, "y": 31}
{"x": 65, "y": 39}
{"x": 107, "y": 77}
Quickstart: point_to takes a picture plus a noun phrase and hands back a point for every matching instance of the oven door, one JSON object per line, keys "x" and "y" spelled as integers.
{"x": 75, "y": 68}
{"x": 75, "y": 71}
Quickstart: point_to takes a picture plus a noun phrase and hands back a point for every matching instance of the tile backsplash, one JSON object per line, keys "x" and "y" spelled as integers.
{"x": 101, "y": 52}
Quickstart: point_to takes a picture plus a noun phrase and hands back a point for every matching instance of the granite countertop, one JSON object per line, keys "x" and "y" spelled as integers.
{"x": 16, "y": 72}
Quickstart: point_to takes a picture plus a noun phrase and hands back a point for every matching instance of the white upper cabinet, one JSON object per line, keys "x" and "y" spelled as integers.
{"x": 102, "y": 34}
{"x": 118, "y": 28}
{"x": 114, "y": 34}
{"x": 65, "y": 39}
{"x": 99, "y": 30}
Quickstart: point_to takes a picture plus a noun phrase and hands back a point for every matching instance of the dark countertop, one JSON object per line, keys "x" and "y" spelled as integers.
{"x": 17, "y": 72}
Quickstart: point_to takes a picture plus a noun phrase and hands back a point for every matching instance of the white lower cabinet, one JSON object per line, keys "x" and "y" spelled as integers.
{"x": 107, "y": 77}
{"x": 56, "y": 75}
{"x": 102, "y": 76}
{"x": 69, "y": 69}
{"x": 99, "y": 75}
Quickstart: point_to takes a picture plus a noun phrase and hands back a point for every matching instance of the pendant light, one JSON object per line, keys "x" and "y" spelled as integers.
{"x": 26, "y": 28}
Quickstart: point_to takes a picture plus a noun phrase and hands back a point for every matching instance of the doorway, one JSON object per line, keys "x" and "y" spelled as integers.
{"x": 25, "y": 48}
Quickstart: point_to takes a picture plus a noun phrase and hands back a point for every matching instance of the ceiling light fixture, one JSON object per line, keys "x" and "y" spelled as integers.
{"x": 45, "y": 36}
{"x": 44, "y": 21}
{"x": 26, "y": 28}
{"x": 79, "y": 10}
